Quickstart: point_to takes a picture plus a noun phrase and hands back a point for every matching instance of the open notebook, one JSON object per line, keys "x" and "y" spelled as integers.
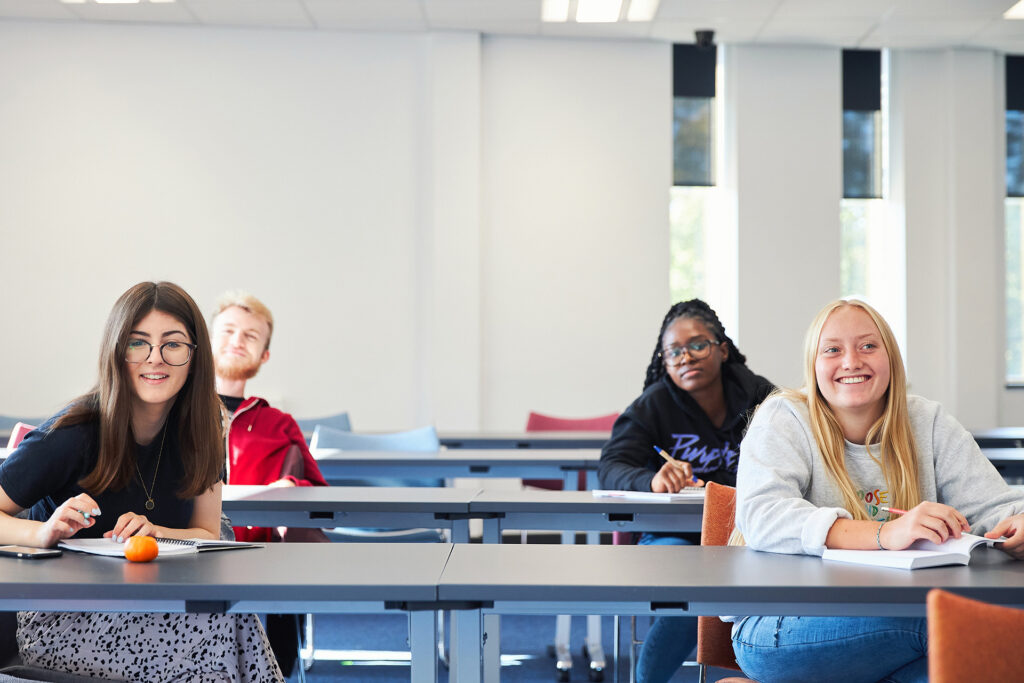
{"x": 919, "y": 555}
{"x": 168, "y": 546}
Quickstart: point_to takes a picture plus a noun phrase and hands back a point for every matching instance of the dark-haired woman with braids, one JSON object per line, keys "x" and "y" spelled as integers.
{"x": 140, "y": 454}
{"x": 698, "y": 395}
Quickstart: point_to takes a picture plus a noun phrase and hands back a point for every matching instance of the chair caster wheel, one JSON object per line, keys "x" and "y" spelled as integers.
{"x": 562, "y": 675}
{"x": 596, "y": 675}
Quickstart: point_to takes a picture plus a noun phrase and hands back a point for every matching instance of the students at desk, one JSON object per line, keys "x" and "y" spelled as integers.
{"x": 819, "y": 463}
{"x": 698, "y": 394}
{"x": 139, "y": 454}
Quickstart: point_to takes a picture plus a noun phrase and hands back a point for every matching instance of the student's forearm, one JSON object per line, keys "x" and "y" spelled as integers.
{"x": 850, "y": 534}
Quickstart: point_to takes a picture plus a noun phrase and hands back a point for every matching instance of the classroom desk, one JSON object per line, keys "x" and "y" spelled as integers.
{"x": 555, "y": 579}
{"x": 351, "y": 506}
{"x": 1000, "y": 437}
{"x": 506, "y": 440}
{"x": 559, "y": 463}
{"x": 299, "y": 577}
{"x": 1009, "y": 461}
{"x": 579, "y": 511}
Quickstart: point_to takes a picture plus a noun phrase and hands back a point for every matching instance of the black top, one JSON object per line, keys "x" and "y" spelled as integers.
{"x": 45, "y": 469}
{"x": 231, "y": 402}
{"x": 668, "y": 417}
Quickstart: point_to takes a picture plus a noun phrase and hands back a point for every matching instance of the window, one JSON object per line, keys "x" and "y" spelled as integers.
{"x": 1014, "y": 217}
{"x": 694, "y": 150}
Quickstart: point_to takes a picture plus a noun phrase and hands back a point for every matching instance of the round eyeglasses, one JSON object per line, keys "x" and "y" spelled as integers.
{"x": 698, "y": 350}
{"x": 173, "y": 352}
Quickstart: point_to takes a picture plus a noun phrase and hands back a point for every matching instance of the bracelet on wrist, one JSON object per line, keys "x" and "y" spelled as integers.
{"x": 878, "y": 536}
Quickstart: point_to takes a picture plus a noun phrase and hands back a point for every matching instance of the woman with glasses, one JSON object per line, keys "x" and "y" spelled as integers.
{"x": 820, "y": 466}
{"x": 698, "y": 395}
{"x": 140, "y": 454}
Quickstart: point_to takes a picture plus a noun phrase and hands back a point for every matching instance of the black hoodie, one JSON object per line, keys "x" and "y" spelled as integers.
{"x": 668, "y": 417}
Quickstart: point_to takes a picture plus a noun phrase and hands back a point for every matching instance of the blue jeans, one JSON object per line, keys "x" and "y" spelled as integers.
{"x": 847, "y": 649}
{"x": 670, "y": 639}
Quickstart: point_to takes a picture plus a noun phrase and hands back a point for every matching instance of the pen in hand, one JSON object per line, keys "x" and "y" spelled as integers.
{"x": 893, "y": 511}
{"x": 662, "y": 453}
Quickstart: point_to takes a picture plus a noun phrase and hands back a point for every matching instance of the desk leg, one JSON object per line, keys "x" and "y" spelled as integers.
{"x": 492, "y": 530}
{"x": 492, "y": 648}
{"x": 460, "y": 531}
{"x": 422, "y": 646}
{"x": 467, "y": 649}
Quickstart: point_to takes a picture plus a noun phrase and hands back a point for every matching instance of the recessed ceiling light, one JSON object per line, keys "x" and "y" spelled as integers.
{"x": 1015, "y": 12}
{"x": 644, "y": 10}
{"x": 598, "y": 11}
{"x": 117, "y": 2}
{"x": 554, "y": 10}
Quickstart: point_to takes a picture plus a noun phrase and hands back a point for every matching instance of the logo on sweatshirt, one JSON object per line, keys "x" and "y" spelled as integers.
{"x": 873, "y": 500}
{"x": 702, "y": 458}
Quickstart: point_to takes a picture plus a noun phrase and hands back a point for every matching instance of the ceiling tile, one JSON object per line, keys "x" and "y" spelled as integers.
{"x": 706, "y": 10}
{"x": 263, "y": 13}
{"x": 518, "y": 11}
{"x": 951, "y": 9}
{"x": 834, "y": 9}
{"x": 622, "y": 29}
{"x": 379, "y": 15}
{"x": 840, "y": 32}
{"x": 35, "y": 9}
{"x": 143, "y": 12}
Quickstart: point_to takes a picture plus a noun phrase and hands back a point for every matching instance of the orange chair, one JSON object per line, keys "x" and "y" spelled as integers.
{"x": 593, "y": 650}
{"x": 970, "y": 640}
{"x": 714, "y": 636}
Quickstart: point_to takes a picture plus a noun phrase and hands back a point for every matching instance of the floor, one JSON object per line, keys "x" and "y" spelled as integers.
{"x": 384, "y": 656}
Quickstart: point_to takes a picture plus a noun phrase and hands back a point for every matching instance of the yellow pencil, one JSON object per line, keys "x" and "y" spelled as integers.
{"x": 662, "y": 453}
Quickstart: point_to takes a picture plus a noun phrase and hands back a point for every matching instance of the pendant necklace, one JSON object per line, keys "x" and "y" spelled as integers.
{"x": 152, "y": 487}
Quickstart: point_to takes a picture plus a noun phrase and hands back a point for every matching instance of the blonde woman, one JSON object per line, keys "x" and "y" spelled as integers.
{"x": 819, "y": 464}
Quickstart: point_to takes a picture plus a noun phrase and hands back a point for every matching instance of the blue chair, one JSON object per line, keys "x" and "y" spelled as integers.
{"x": 422, "y": 439}
{"x": 340, "y": 421}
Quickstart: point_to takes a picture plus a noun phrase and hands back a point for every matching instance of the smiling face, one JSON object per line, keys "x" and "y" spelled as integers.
{"x": 155, "y": 384}
{"x": 693, "y": 375}
{"x": 852, "y": 366}
{"x": 239, "y": 343}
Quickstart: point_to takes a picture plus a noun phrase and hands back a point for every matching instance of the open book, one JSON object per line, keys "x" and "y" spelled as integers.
{"x": 689, "y": 493}
{"x": 919, "y": 555}
{"x": 168, "y": 546}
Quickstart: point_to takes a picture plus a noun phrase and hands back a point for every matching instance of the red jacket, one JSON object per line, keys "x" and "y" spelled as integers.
{"x": 259, "y": 439}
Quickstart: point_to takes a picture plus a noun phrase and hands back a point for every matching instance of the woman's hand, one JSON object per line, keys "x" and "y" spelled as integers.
{"x": 130, "y": 524}
{"x": 673, "y": 477}
{"x": 73, "y": 515}
{"x": 1013, "y": 528}
{"x": 934, "y": 522}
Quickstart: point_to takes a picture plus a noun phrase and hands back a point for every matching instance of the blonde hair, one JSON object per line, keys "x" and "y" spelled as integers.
{"x": 891, "y": 435}
{"x": 248, "y": 303}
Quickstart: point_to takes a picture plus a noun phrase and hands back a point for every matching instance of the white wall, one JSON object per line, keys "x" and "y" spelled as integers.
{"x": 577, "y": 166}
{"x": 948, "y": 184}
{"x": 457, "y": 230}
{"x": 785, "y": 105}
{"x": 384, "y": 194}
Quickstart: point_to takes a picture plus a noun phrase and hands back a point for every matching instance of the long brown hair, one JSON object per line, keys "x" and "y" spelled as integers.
{"x": 891, "y": 436}
{"x": 196, "y": 406}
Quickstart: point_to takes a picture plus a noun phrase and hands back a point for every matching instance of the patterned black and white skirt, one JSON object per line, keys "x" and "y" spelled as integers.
{"x": 149, "y": 647}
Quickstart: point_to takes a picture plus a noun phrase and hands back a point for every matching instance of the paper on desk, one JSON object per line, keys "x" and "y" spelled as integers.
{"x": 689, "y": 493}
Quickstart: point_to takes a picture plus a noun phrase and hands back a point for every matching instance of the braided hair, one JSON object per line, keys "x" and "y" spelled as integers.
{"x": 694, "y": 309}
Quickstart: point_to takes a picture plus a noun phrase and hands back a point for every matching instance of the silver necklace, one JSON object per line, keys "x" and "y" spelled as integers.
{"x": 152, "y": 487}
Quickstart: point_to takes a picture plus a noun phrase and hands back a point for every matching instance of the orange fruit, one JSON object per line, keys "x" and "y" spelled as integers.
{"x": 141, "y": 548}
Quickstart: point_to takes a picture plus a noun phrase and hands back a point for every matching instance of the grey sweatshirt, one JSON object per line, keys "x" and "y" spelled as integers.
{"x": 786, "y": 501}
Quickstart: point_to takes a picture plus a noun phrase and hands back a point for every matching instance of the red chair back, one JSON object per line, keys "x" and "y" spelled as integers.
{"x": 18, "y": 433}
{"x": 538, "y": 422}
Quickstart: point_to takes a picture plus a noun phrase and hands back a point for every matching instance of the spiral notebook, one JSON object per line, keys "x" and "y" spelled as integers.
{"x": 168, "y": 546}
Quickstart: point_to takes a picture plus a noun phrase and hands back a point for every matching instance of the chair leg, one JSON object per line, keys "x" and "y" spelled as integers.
{"x": 702, "y": 673}
{"x": 632, "y": 649}
{"x": 301, "y": 668}
{"x": 593, "y": 650}
{"x": 442, "y": 653}
{"x": 307, "y": 654}
{"x": 563, "y": 656}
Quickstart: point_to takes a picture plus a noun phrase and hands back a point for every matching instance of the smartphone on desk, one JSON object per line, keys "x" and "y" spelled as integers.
{"x": 28, "y": 552}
